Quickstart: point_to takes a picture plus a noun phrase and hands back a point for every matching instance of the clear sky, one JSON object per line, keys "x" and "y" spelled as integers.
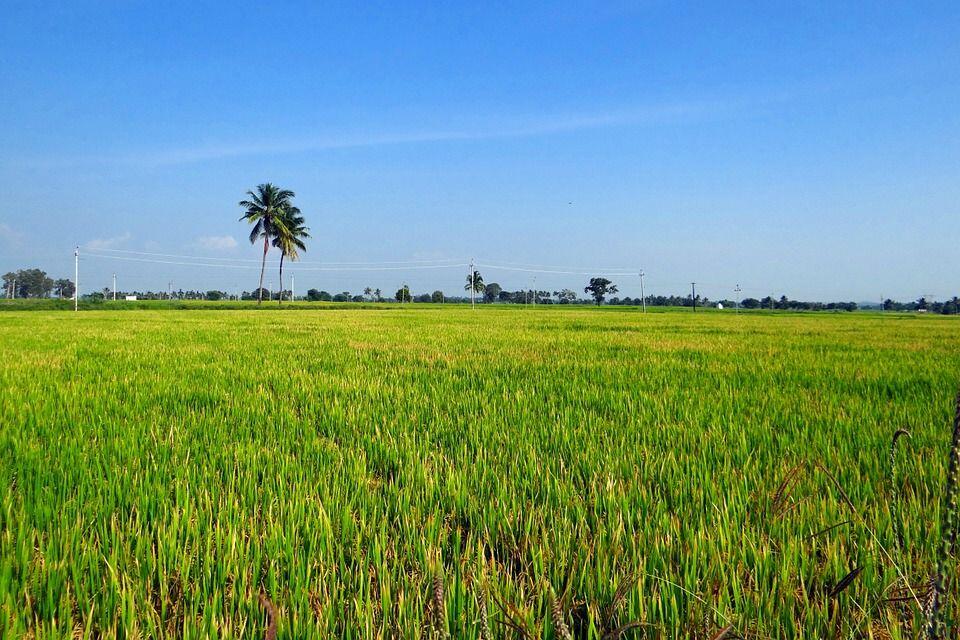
{"x": 809, "y": 149}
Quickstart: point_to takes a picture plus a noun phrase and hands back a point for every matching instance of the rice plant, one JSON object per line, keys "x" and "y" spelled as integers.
{"x": 436, "y": 472}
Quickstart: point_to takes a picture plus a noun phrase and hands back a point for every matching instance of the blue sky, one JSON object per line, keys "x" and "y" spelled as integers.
{"x": 808, "y": 149}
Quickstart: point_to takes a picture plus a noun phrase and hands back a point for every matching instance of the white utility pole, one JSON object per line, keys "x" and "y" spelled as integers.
{"x": 472, "y": 283}
{"x": 737, "y": 301}
{"x": 693, "y": 295}
{"x": 643, "y": 298}
{"x": 76, "y": 279}
{"x": 114, "y": 287}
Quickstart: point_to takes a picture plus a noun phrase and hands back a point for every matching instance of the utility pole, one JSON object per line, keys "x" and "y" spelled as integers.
{"x": 114, "y": 287}
{"x": 76, "y": 279}
{"x": 534, "y": 290}
{"x": 737, "y": 301}
{"x": 169, "y": 289}
{"x": 472, "y": 301}
{"x": 643, "y": 298}
{"x": 293, "y": 296}
{"x": 693, "y": 295}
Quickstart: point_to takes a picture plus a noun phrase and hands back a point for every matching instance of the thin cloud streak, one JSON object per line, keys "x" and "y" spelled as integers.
{"x": 100, "y": 244}
{"x": 10, "y": 236}
{"x": 527, "y": 128}
{"x": 216, "y": 243}
{"x": 673, "y": 113}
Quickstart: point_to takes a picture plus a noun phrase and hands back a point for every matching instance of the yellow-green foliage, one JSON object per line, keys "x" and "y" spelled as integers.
{"x": 390, "y": 472}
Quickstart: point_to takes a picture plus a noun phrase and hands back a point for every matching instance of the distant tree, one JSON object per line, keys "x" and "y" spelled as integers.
{"x": 437, "y": 296}
{"x": 313, "y": 295}
{"x": 750, "y": 303}
{"x": 64, "y": 288}
{"x": 367, "y": 291}
{"x": 403, "y": 294}
{"x": 262, "y": 210}
{"x": 376, "y": 292}
{"x": 599, "y": 288}
{"x": 260, "y": 294}
{"x": 28, "y": 283}
{"x": 358, "y": 298}
{"x": 565, "y": 296}
{"x": 504, "y": 296}
{"x": 214, "y": 295}
{"x": 520, "y": 297}
{"x": 474, "y": 283}
{"x": 951, "y": 307}
{"x": 922, "y": 304}
{"x": 343, "y": 296}
{"x": 491, "y": 292}
{"x": 423, "y": 297}
{"x": 325, "y": 297}
{"x": 9, "y": 281}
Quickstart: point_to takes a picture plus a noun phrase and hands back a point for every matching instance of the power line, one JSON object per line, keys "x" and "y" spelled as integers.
{"x": 626, "y": 270}
{"x": 595, "y": 272}
{"x": 258, "y": 261}
{"x": 254, "y": 267}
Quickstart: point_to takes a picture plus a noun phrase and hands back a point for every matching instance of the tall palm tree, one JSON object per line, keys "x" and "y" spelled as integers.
{"x": 290, "y": 232}
{"x": 263, "y": 210}
{"x": 474, "y": 283}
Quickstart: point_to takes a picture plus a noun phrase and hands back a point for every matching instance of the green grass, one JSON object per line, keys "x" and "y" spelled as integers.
{"x": 382, "y": 472}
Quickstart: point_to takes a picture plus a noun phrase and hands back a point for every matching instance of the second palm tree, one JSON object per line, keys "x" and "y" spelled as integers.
{"x": 290, "y": 232}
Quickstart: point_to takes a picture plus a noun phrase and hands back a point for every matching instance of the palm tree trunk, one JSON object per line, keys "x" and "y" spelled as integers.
{"x": 263, "y": 266}
{"x": 280, "y": 298}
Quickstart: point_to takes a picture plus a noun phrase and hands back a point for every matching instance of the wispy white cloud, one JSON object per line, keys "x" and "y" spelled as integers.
{"x": 484, "y": 127}
{"x": 99, "y": 244}
{"x": 9, "y": 235}
{"x": 215, "y": 243}
{"x": 501, "y": 129}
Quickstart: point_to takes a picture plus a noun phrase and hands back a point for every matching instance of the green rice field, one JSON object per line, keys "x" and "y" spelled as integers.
{"x": 440, "y": 472}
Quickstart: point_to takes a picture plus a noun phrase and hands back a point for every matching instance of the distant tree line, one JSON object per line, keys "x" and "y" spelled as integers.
{"x": 950, "y": 307}
{"x": 35, "y": 283}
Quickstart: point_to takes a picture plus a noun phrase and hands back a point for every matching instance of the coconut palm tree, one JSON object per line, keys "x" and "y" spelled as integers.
{"x": 474, "y": 283}
{"x": 290, "y": 232}
{"x": 263, "y": 210}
